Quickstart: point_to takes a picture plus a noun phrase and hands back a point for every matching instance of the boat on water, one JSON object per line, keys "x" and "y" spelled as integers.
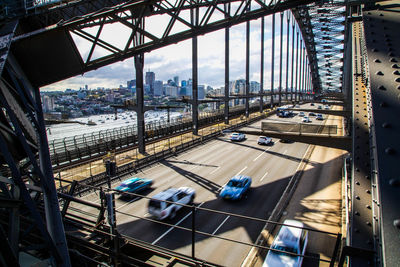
{"x": 91, "y": 123}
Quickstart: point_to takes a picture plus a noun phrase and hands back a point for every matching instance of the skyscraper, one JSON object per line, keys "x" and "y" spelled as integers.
{"x": 149, "y": 80}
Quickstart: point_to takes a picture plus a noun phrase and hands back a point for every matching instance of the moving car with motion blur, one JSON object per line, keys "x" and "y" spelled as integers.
{"x": 292, "y": 238}
{"x": 236, "y": 188}
{"x": 166, "y": 203}
{"x": 238, "y": 137}
{"x": 133, "y": 185}
{"x": 263, "y": 140}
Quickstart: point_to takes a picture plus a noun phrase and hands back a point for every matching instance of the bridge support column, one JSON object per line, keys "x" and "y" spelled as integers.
{"x": 139, "y": 62}
{"x": 195, "y": 111}
{"x": 272, "y": 61}
{"x": 247, "y": 89}
{"x": 280, "y": 62}
{"x": 226, "y": 95}
{"x": 296, "y": 95}
{"x": 262, "y": 66}
{"x": 292, "y": 74}
{"x": 287, "y": 54}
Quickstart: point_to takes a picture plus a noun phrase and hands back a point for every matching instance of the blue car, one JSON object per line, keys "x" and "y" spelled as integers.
{"x": 134, "y": 185}
{"x": 236, "y": 187}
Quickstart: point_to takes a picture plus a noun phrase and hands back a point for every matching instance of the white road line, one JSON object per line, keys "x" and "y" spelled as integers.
{"x": 221, "y": 225}
{"x": 284, "y": 152}
{"x": 133, "y": 199}
{"x": 215, "y": 170}
{"x": 241, "y": 170}
{"x": 262, "y": 178}
{"x": 172, "y": 227}
{"x": 261, "y": 154}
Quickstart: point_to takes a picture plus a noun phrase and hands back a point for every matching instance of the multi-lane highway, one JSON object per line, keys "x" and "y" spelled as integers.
{"x": 206, "y": 168}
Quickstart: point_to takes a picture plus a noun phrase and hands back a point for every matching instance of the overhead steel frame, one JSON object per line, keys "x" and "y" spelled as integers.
{"x": 287, "y": 54}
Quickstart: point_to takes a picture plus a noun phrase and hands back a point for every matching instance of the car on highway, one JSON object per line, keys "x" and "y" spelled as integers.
{"x": 326, "y": 107}
{"x": 311, "y": 114}
{"x": 236, "y": 188}
{"x": 263, "y": 140}
{"x": 161, "y": 209}
{"x": 319, "y": 107}
{"x": 312, "y": 104}
{"x": 306, "y": 119}
{"x": 291, "y": 238}
{"x": 301, "y": 114}
{"x": 238, "y": 137}
{"x": 133, "y": 185}
{"x": 319, "y": 117}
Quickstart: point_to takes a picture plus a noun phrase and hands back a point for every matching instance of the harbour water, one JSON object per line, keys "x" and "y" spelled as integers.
{"x": 104, "y": 122}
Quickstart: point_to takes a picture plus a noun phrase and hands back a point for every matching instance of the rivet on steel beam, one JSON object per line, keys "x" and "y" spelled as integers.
{"x": 395, "y": 182}
{"x": 380, "y": 15}
{"x": 357, "y": 213}
{"x": 356, "y": 230}
{"x": 368, "y": 191}
{"x": 383, "y": 104}
{"x": 389, "y": 151}
{"x": 395, "y": 66}
{"x": 357, "y": 197}
{"x": 368, "y": 207}
{"x": 368, "y": 223}
{"x": 396, "y": 72}
{"x": 391, "y": 54}
{"x": 369, "y": 242}
{"x": 386, "y": 125}
{"x": 379, "y": 73}
{"x": 397, "y": 80}
{"x": 357, "y": 183}
{"x": 396, "y": 223}
{"x": 377, "y": 60}
{"x": 374, "y": 49}
{"x": 382, "y": 87}
{"x": 393, "y": 59}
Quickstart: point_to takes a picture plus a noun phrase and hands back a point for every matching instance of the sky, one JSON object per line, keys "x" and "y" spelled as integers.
{"x": 176, "y": 59}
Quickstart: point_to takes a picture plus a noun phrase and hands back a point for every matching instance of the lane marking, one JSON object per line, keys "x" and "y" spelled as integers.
{"x": 261, "y": 153}
{"x": 241, "y": 170}
{"x": 284, "y": 153}
{"x": 172, "y": 227}
{"x": 221, "y": 224}
{"x": 215, "y": 170}
{"x": 262, "y": 178}
{"x": 129, "y": 202}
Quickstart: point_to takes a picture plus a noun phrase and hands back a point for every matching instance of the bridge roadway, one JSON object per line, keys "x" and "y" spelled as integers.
{"x": 207, "y": 168}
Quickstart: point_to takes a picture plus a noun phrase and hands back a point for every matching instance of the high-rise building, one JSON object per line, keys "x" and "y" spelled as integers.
{"x": 171, "y": 90}
{"x": 176, "y": 80}
{"x": 47, "y": 103}
{"x": 201, "y": 93}
{"x": 158, "y": 88}
{"x": 149, "y": 80}
{"x": 131, "y": 84}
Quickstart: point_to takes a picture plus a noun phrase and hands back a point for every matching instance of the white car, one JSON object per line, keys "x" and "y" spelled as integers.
{"x": 306, "y": 119}
{"x": 263, "y": 140}
{"x": 175, "y": 196}
{"x": 289, "y": 239}
{"x": 326, "y": 107}
{"x": 238, "y": 137}
{"x": 301, "y": 114}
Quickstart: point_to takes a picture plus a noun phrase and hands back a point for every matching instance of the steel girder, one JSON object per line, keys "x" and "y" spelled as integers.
{"x": 63, "y": 59}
